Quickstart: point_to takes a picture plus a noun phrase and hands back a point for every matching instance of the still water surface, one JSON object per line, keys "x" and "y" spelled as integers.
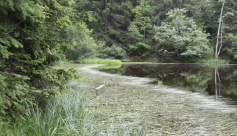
{"x": 217, "y": 81}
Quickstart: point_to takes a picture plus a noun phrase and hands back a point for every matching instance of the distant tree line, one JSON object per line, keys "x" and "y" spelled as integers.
{"x": 134, "y": 28}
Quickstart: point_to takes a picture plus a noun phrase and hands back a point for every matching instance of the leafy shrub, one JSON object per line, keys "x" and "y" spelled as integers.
{"x": 110, "y": 52}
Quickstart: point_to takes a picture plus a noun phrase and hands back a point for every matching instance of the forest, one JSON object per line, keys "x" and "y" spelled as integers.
{"x": 36, "y": 34}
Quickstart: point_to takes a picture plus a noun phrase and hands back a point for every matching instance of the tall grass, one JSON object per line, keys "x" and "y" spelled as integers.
{"x": 101, "y": 61}
{"x": 67, "y": 116}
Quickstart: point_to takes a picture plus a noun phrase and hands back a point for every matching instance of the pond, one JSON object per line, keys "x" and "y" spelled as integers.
{"x": 217, "y": 81}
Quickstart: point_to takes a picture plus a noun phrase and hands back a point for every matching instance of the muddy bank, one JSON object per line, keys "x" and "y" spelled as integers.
{"x": 130, "y": 102}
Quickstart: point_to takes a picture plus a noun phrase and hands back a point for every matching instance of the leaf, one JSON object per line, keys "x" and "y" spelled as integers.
{"x": 70, "y": 2}
{"x": 2, "y": 28}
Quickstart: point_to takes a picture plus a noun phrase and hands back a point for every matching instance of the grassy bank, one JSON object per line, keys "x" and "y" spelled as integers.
{"x": 214, "y": 61}
{"x": 100, "y": 61}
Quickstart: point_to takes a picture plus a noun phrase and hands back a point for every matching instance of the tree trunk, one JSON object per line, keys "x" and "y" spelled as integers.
{"x": 222, "y": 29}
{"x": 218, "y": 33}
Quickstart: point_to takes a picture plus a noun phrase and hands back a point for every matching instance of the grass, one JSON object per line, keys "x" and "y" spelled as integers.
{"x": 218, "y": 61}
{"x": 66, "y": 116}
{"x": 101, "y": 61}
{"x": 214, "y": 61}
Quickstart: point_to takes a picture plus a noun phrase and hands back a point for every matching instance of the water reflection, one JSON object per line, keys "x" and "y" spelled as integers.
{"x": 216, "y": 81}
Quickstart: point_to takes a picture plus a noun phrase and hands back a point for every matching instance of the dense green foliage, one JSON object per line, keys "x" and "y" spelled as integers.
{"x": 31, "y": 39}
{"x": 181, "y": 37}
{"x": 126, "y": 28}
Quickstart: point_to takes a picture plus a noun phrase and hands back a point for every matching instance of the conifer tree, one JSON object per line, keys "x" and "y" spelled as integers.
{"x": 30, "y": 41}
{"x": 139, "y": 29}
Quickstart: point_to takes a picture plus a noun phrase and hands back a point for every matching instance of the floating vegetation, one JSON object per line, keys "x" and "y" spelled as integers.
{"x": 129, "y": 102}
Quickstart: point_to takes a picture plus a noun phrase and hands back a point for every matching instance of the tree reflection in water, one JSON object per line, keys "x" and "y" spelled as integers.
{"x": 217, "y": 83}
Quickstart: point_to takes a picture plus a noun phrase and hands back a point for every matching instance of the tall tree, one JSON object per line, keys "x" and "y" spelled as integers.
{"x": 220, "y": 30}
{"x": 182, "y": 37}
{"x": 139, "y": 29}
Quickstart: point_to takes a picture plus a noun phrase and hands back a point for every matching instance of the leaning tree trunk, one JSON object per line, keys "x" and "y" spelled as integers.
{"x": 218, "y": 49}
{"x": 217, "y": 83}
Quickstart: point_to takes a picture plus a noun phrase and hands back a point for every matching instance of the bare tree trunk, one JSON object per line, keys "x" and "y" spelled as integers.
{"x": 218, "y": 32}
{"x": 222, "y": 29}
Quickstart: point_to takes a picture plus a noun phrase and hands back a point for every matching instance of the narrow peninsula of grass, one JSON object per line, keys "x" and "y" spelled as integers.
{"x": 101, "y": 61}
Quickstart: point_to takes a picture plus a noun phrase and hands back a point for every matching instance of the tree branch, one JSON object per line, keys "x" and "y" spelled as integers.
{"x": 13, "y": 28}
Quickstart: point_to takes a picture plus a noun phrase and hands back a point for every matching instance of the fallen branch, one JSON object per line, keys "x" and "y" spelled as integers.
{"x": 36, "y": 91}
{"x": 99, "y": 87}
